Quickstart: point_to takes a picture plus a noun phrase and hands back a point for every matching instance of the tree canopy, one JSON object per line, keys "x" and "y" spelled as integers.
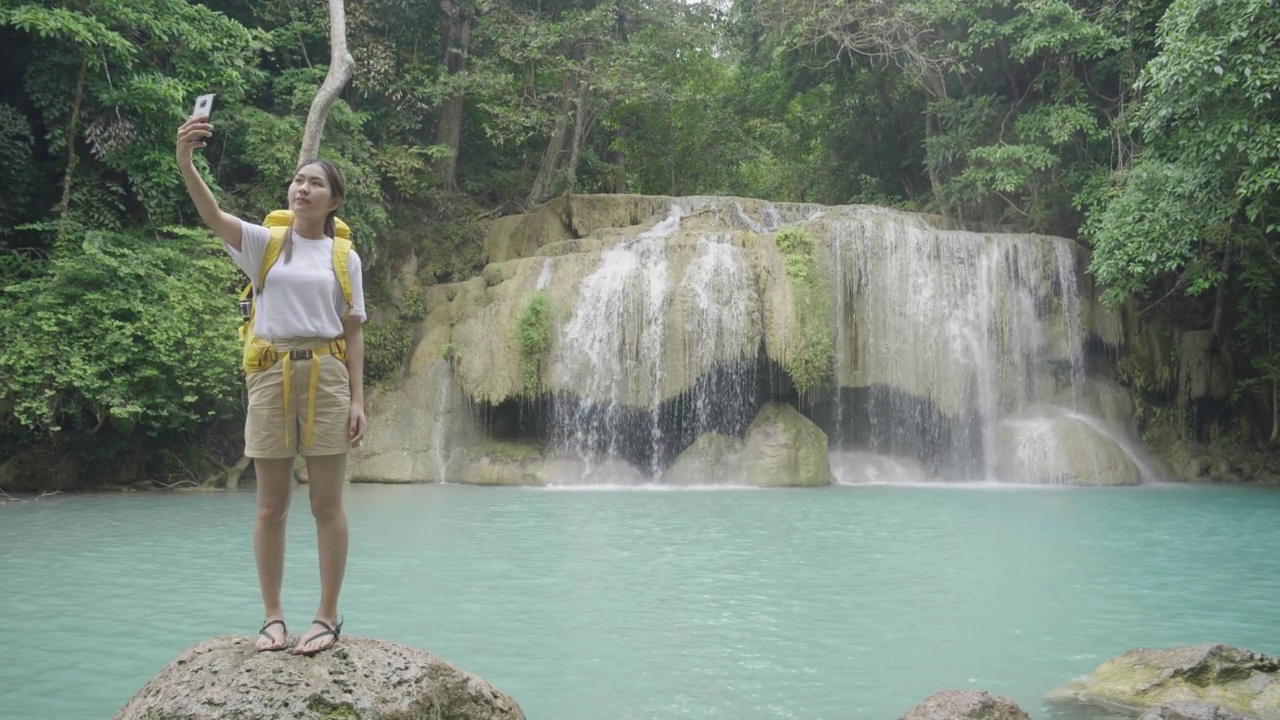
{"x": 1150, "y": 129}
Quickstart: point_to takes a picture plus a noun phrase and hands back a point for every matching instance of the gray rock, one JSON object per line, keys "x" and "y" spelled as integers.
{"x": 712, "y": 459}
{"x": 225, "y": 678}
{"x": 1043, "y": 445}
{"x": 785, "y": 448}
{"x": 1239, "y": 680}
{"x": 1192, "y": 710}
{"x": 966, "y": 705}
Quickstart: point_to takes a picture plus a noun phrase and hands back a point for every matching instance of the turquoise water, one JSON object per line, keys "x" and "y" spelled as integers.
{"x": 585, "y": 605}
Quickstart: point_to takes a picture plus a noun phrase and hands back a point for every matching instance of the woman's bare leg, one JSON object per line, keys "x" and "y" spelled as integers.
{"x": 326, "y": 475}
{"x": 274, "y": 478}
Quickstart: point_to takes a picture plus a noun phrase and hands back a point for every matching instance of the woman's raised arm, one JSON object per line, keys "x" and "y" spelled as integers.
{"x": 191, "y": 135}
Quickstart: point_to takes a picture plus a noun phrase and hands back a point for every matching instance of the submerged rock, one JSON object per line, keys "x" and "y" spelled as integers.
{"x": 503, "y": 463}
{"x": 1238, "y": 680}
{"x": 784, "y": 448}
{"x": 358, "y": 678}
{"x": 497, "y": 462}
{"x": 966, "y": 705}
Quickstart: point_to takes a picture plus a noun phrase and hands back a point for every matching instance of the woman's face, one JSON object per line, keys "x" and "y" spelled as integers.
{"x": 310, "y": 194}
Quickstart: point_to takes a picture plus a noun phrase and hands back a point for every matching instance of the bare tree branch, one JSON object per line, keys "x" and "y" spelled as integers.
{"x": 885, "y": 30}
{"x": 341, "y": 65}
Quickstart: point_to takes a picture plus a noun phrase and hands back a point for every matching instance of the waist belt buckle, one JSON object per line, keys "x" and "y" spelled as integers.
{"x": 303, "y": 354}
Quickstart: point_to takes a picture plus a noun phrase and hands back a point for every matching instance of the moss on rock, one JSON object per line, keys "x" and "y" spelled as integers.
{"x": 809, "y": 365}
{"x": 1237, "y": 679}
{"x": 533, "y": 335}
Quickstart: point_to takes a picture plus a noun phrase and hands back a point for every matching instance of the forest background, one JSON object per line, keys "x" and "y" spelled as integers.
{"x": 1148, "y": 129}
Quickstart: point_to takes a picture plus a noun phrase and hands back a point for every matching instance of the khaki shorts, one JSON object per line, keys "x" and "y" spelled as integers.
{"x": 274, "y": 428}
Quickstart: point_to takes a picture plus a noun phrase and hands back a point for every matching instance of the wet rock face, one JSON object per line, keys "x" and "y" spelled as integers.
{"x": 1238, "y": 680}
{"x": 1064, "y": 449}
{"x": 359, "y": 677}
{"x": 966, "y": 705}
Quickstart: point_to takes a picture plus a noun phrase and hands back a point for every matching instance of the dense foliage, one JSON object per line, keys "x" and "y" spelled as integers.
{"x": 1149, "y": 128}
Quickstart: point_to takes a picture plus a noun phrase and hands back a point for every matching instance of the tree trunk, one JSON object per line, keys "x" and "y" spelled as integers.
{"x": 71, "y": 151}
{"x": 541, "y": 189}
{"x": 619, "y": 157}
{"x": 620, "y": 162}
{"x": 934, "y": 91}
{"x": 1220, "y": 300}
{"x": 455, "y": 41}
{"x": 581, "y": 129}
{"x": 341, "y": 65}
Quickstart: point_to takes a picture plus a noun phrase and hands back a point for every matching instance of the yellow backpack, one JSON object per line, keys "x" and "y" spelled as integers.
{"x": 258, "y": 353}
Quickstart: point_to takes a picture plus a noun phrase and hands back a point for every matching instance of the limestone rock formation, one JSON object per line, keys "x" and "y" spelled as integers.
{"x": 966, "y": 705}
{"x": 1239, "y": 680}
{"x": 1051, "y": 447}
{"x": 687, "y": 307}
{"x": 418, "y": 431}
{"x": 504, "y": 463}
{"x": 1104, "y": 399}
{"x": 712, "y": 459}
{"x": 784, "y": 448}
{"x": 359, "y": 678}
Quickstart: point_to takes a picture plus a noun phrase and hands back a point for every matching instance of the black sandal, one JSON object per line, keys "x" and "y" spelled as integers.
{"x": 328, "y": 630}
{"x": 284, "y": 642}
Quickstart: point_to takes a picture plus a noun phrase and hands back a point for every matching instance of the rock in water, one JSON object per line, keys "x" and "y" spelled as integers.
{"x": 966, "y": 705}
{"x": 1239, "y": 680}
{"x": 784, "y": 448}
{"x": 1191, "y": 710}
{"x": 358, "y": 678}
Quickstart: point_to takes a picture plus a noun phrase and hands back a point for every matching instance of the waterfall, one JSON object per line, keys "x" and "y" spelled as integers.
{"x": 956, "y": 354}
{"x": 440, "y": 439}
{"x": 946, "y": 332}
{"x": 544, "y": 275}
{"x": 719, "y": 285}
{"x": 611, "y": 349}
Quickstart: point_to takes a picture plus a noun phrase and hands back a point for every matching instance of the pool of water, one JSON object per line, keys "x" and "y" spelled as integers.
{"x": 843, "y": 602}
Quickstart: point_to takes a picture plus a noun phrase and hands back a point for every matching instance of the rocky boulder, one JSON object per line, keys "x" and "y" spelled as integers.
{"x": 966, "y": 705}
{"x": 784, "y": 448}
{"x": 495, "y": 462}
{"x": 504, "y": 462}
{"x": 1192, "y": 710}
{"x": 1238, "y": 680}
{"x": 359, "y": 678}
{"x": 713, "y": 459}
{"x": 1051, "y": 447}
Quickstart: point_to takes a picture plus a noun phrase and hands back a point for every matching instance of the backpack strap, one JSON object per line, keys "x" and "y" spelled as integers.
{"x": 279, "y": 222}
{"x": 341, "y": 262}
{"x": 274, "y": 246}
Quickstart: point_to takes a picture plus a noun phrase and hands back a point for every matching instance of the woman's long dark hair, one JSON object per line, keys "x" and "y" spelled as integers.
{"x": 337, "y": 191}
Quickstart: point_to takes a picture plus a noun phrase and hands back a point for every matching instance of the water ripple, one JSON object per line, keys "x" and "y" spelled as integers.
{"x": 830, "y": 603}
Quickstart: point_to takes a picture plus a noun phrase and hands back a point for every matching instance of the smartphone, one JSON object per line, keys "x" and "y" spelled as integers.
{"x": 204, "y": 106}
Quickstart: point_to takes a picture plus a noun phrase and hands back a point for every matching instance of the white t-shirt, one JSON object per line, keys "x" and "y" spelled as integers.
{"x": 302, "y": 298}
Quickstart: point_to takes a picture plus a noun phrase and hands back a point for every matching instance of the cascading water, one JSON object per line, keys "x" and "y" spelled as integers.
{"x": 611, "y": 349}
{"x": 637, "y": 321}
{"x": 944, "y": 333}
{"x": 956, "y": 355}
{"x": 719, "y": 285}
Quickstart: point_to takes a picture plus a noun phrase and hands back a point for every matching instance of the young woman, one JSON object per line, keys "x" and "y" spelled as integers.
{"x": 301, "y": 311}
